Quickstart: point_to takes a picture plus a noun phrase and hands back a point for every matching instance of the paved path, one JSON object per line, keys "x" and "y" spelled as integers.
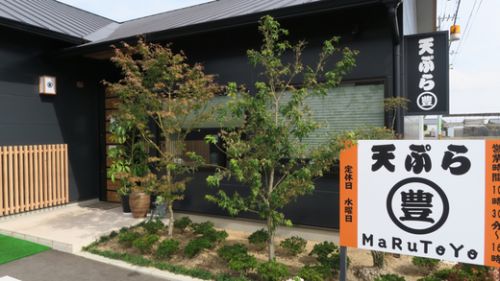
{"x": 67, "y": 228}
{"x": 59, "y": 266}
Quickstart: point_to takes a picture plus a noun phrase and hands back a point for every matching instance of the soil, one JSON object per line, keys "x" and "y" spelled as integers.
{"x": 360, "y": 269}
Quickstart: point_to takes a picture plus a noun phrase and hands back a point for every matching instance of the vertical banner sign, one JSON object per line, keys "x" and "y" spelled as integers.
{"x": 492, "y": 210}
{"x": 348, "y": 197}
{"x": 427, "y": 73}
{"x": 437, "y": 199}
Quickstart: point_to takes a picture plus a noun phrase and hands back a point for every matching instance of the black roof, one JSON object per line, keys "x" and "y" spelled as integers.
{"x": 52, "y": 16}
{"x": 91, "y": 29}
{"x": 207, "y": 12}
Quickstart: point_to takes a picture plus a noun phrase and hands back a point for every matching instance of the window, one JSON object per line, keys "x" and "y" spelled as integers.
{"x": 346, "y": 108}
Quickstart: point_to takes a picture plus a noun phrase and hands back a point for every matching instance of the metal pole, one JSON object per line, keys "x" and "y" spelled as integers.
{"x": 343, "y": 264}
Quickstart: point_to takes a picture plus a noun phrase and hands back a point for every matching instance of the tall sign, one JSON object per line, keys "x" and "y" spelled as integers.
{"x": 435, "y": 199}
{"x": 427, "y": 73}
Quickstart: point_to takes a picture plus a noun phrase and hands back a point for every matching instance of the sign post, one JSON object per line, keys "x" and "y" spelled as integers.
{"x": 436, "y": 199}
{"x": 343, "y": 264}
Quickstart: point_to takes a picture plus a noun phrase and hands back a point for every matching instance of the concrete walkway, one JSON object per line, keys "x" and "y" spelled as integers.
{"x": 68, "y": 228}
{"x": 58, "y": 266}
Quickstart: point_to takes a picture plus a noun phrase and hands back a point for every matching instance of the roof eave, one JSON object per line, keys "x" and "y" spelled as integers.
{"x": 41, "y": 31}
{"x": 295, "y": 11}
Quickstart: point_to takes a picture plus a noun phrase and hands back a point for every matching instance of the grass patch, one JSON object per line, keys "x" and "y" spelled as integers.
{"x": 14, "y": 249}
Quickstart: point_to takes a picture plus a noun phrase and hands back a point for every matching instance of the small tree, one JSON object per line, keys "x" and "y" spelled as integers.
{"x": 174, "y": 97}
{"x": 267, "y": 153}
{"x": 129, "y": 155}
{"x": 393, "y": 105}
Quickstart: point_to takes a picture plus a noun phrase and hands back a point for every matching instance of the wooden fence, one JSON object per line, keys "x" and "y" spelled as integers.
{"x": 33, "y": 177}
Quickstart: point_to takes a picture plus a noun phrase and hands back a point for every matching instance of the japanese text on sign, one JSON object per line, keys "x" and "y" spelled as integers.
{"x": 436, "y": 199}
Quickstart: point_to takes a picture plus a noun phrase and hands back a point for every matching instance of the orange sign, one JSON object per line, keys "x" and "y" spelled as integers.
{"x": 348, "y": 197}
{"x": 492, "y": 206}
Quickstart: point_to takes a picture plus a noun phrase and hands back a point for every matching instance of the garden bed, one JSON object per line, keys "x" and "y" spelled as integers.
{"x": 148, "y": 245}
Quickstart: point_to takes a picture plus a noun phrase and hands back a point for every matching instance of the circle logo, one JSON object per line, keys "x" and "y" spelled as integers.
{"x": 418, "y": 206}
{"x": 427, "y": 101}
{"x": 50, "y": 84}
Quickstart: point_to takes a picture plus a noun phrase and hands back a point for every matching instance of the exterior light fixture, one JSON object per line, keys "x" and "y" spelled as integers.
{"x": 455, "y": 32}
{"x": 47, "y": 85}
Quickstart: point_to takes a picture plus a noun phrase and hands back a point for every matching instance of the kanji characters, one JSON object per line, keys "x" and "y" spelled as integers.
{"x": 426, "y": 45}
{"x": 383, "y": 154}
{"x": 416, "y": 206}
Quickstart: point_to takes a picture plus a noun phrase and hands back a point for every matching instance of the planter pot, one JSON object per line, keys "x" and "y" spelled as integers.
{"x": 125, "y": 204}
{"x": 152, "y": 205}
{"x": 161, "y": 210}
{"x": 139, "y": 204}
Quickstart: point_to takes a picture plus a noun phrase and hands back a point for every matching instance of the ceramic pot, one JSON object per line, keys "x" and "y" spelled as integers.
{"x": 139, "y": 204}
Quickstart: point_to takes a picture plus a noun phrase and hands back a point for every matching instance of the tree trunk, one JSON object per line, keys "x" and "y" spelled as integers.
{"x": 270, "y": 243}
{"x": 170, "y": 219}
{"x": 394, "y": 114}
{"x": 378, "y": 259}
{"x": 270, "y": 222}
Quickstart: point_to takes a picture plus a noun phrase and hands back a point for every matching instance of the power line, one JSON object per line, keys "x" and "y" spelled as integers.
{"x": 468, "y": 28}
{"x": 442, "y": 18}
{"x": 456, "y": 12}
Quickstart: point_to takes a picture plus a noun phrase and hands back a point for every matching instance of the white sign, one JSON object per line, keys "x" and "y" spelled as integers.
{"x": 432, "y": 199}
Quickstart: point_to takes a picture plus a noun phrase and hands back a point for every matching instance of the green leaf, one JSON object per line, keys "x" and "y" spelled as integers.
{"x": 211, "y": 139}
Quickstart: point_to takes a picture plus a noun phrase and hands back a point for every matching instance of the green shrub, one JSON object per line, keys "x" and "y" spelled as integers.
{"x": 207, "y": 231}
{"x": 272, "y": 271}
{"x": 324, "y": 250}
{"x": 106, "y": 238}
{"x": 167, "y": 248}
{"x": 126, "y": 238}
{"x": 242, "y": 263}
{"x": 237, "y": 257}
{"x": 425, "y": 264}
{"x": 228, "y": 277}
{"x": 294, "y": 245}
{"x": 430, "y": 278}
{"x": 203, "y": 228}
{"x": 153, "y": 226}
{"x": 195, "y": 246}
{"x": 471, "y": 272}
{"x": 390, "y": 277}
{"x": 442, "y": 274}
{"x": 259, "y": 238}
{"x": 145, "y": 243}
{"x": 182, "y": 223}
{"x": 228, "y": 252}
{"x": 314, "y": 273}
{"x": 461, "y": 272}
{"x": 328, "y": 256}
{"x": 215, "y": 236}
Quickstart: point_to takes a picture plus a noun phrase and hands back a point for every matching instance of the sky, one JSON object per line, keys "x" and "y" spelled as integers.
{"x": 475, "y": 73}
{"x": 130, "y": 9}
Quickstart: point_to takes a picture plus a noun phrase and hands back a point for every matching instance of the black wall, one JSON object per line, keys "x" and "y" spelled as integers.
{"x": 75, "y": 116}
{"x": 224, "y": 53}
{"x": 71, "y": 117}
